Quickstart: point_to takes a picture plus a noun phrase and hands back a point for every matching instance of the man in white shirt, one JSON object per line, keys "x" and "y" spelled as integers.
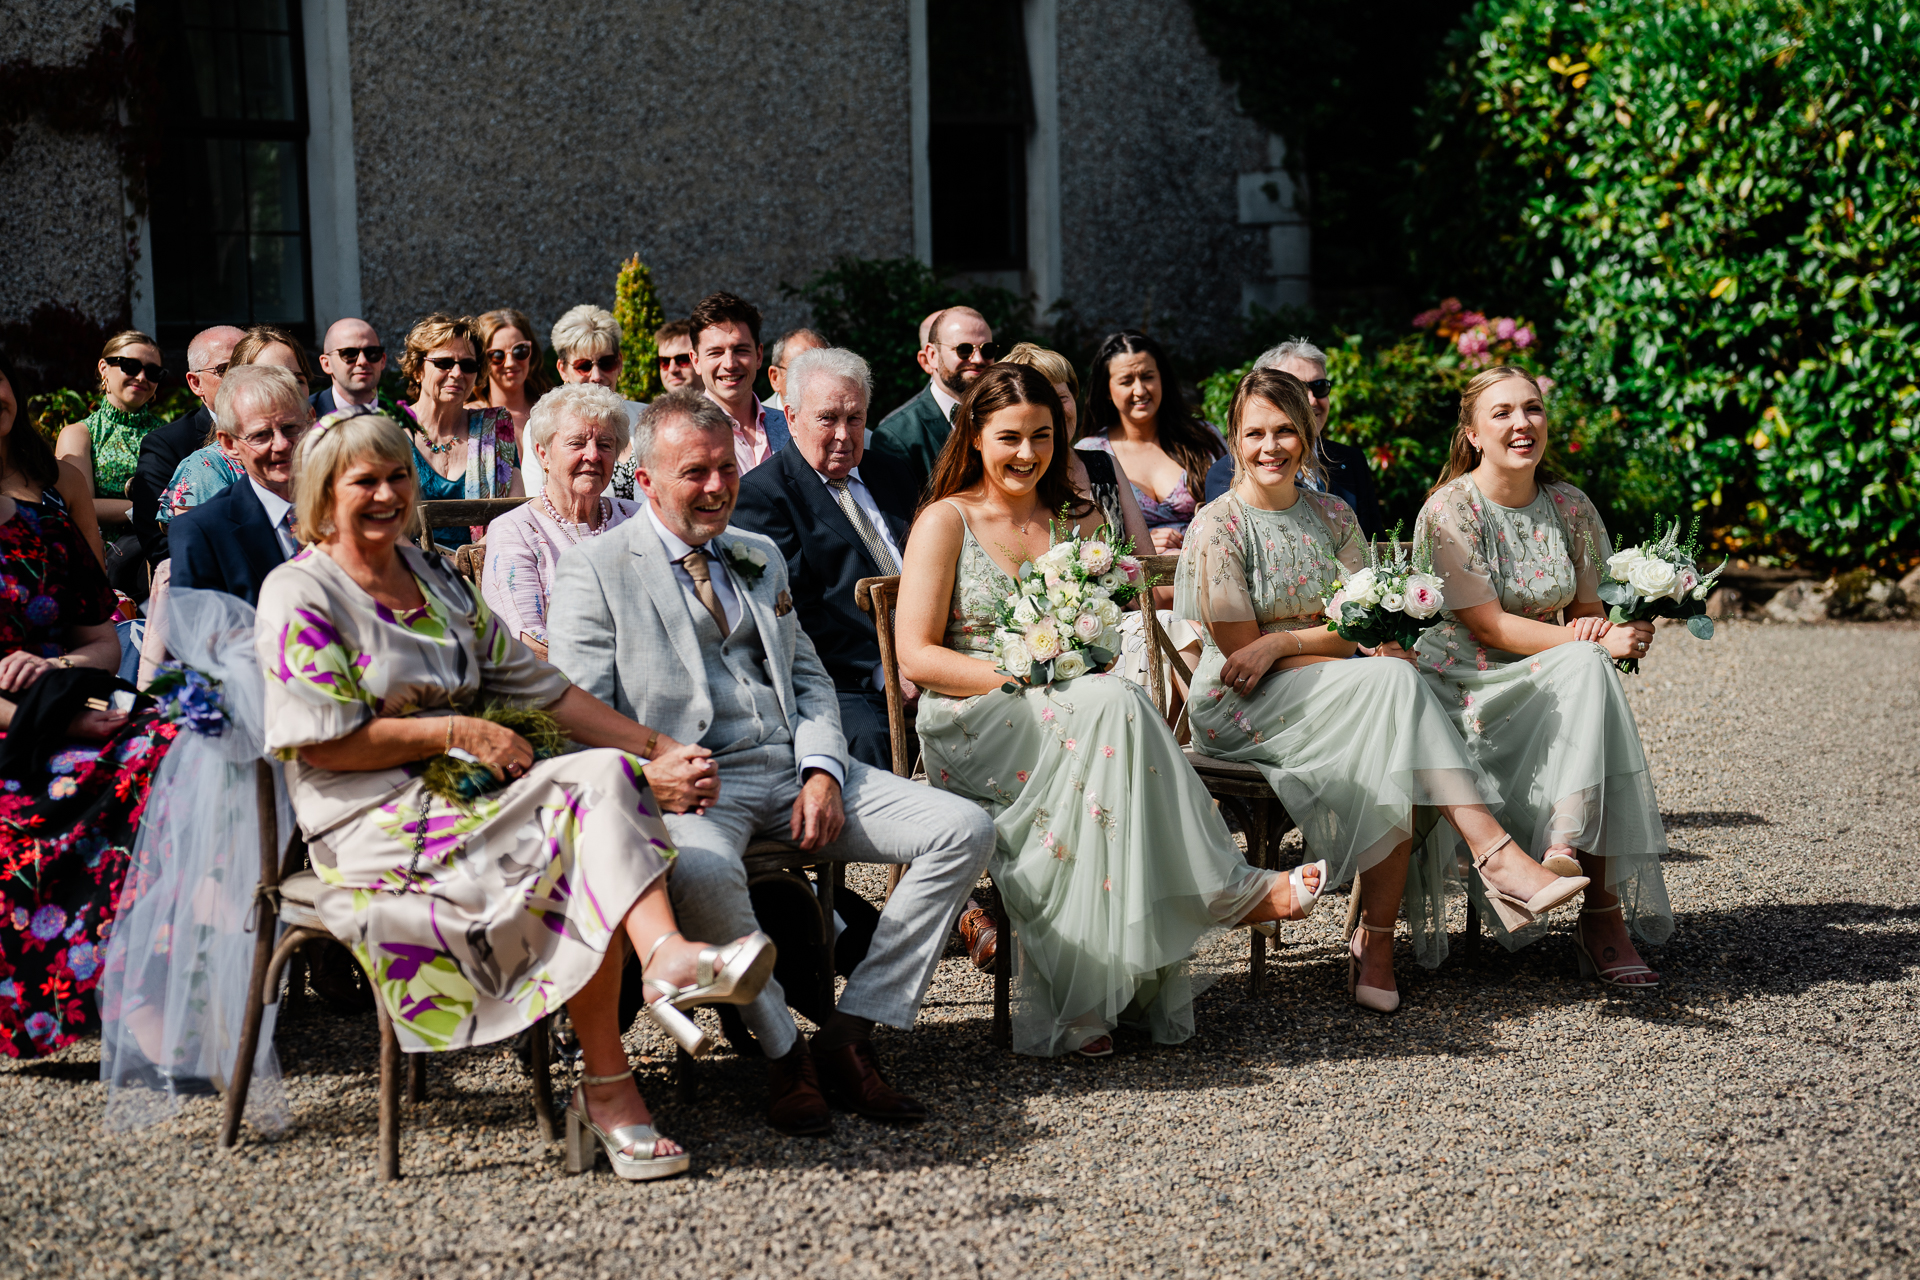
{"x": 779, "y": 356}
{"x": 958, "y": 350}
{"x": 726, "y": 356}
{"x": 233, "y": 540}
{"x": 353, "y": 359}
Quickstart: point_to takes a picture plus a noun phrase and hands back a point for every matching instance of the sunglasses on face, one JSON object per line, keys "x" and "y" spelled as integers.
{"x": 682, "y": 361}
{"x": 966, "y": 350}
{"x": 517, "y": 352}
{"x": 606, "y": 364}
{"x": 352, "y": 355}
{"x": 264, "y": 437}
{"x": 444, "y": 363}
{"x": 1319, "y": 388}
{"x": 135, "y": 368}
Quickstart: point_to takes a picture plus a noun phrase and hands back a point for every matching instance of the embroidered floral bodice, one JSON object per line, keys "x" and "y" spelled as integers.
{"x": 1535, "y": 560}
{"x": 1277, "y": 568}
{"x": 979, "y": 585}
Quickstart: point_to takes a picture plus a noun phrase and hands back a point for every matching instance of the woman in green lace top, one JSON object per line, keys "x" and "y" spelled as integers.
{"x": 105, "y": 445}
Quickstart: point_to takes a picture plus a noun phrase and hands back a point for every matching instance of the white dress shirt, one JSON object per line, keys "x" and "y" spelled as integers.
{"x": 940, "y": 397}
{"x": 277, "y": 508}
{"x": 730, "y": 604}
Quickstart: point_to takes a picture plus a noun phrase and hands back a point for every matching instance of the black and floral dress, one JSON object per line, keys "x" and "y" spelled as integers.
{"x": 66, "y": 832}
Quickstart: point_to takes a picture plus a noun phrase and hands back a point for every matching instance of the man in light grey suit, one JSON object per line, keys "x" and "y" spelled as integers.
{"x": 686, "y": 624}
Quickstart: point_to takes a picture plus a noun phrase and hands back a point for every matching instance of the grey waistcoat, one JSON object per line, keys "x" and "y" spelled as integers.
{"x": 746, "y": 710}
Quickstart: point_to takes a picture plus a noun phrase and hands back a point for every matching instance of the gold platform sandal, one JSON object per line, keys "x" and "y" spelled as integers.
{"x": 733, "y": 974}
{"x": 1612, "y": 974}
{"x": 1516, "y": 912}
{"x": 584, "y": 1137}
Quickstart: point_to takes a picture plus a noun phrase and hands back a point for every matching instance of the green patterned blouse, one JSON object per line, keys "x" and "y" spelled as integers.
{"x": 116, "y": 436}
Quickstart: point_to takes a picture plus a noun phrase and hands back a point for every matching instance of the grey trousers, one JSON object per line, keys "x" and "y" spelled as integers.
{"x": 943, "y": 840}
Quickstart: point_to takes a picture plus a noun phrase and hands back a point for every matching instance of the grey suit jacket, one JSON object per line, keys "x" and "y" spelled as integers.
{"x": 620, "y": 626}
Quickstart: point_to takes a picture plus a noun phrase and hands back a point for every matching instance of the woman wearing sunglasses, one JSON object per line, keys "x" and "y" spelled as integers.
{"x": 587, "y": 343}
{"x": 105, "y": 445}
{"x": 510, "y": 374}
{"x": 460, "y": 451}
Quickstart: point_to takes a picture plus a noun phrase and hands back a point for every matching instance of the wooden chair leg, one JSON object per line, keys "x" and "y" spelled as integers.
{"x": 388, "y": 1168}
{"x": 416, "y": 1078}
{"x": 1002, "y": 974}
{"x": 265, "y": 927}
{"x": 1470, "y": 944}
{"x": 1258, "y": 853}
{"x": 540, "y": 1067}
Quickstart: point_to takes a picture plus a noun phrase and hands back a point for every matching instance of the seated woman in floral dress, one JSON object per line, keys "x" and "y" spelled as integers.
{"x": 1352, "y": 749}
{"x": 474, "y": 920}
{"x": 1523, "y": 659}
{"x": 1112, "y": 861}
{"x": 74, "y": 780}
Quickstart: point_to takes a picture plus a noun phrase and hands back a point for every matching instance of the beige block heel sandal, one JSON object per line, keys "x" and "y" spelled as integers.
{"x": 1514, "y": 911}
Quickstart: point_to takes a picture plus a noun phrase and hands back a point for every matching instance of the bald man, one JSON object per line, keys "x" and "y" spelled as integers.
{"x": 958, "y": 349}
{"x": 353, "y": 358}
{"x": 162, "y": 450}
{"x": 780, "y": 355}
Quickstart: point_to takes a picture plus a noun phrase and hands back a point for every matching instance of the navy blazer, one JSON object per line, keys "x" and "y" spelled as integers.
{"x": 160, "y": 455}
{"x": 1348, "y": 479}
{"x": 225, "y": 544}
{"x": 786, "y": 500}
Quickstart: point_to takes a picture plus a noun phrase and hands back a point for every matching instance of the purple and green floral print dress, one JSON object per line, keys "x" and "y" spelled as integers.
{"x": 1552, "y": 729}
{"x": 512, "y": 902}
{"x": 65, "y": 834}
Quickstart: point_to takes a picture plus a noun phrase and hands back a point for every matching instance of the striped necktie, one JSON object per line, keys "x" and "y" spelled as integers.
{"x": 862, "y": 526}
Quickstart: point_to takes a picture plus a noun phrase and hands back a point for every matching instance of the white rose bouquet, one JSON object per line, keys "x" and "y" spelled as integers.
{"x": 1388, "y": 601}
{"x": 1064, "y": 619}
{"x": 1659, "y": 579}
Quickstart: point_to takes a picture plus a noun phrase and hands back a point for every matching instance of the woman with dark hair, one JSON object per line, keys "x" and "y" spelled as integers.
{"x": 1523, "y": 657}
{"x": 461, "y": 451}
{"x": 1135, "y": 413}
{"x": 1112, "y": 860}
{"x": 73, "y": 777}
{"x": 1352, "y": 748}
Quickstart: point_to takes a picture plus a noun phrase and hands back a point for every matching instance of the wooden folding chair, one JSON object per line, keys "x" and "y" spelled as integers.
{"x": 458, "y": 513}
{"x": 285, "y": 897}
{"x": 877, "y": 597}
{"x": 471, "y": 562}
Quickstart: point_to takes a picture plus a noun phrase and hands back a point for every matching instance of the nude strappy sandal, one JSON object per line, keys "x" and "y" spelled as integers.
{"x": 1612, "y": 974}
{"x": 1516, "y": 912}
{"x": 1303, "y": 898}
{"x": 584, "y": 1137}
{"x": 1562, "y": 864}
{"x": 1378, "y": 999}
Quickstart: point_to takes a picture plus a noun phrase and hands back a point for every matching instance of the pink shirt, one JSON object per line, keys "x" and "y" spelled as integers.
{"x": 748, "y": 452}
{"x": 522, "y": 549}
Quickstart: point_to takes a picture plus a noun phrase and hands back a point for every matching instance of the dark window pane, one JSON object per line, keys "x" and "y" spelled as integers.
{"x": 267, "y": 68}
{"x": 979, "y": 196}
{"x": 977, "y": 62}
{"x": 273, "y": 187}
{"x": 279, "y": 280}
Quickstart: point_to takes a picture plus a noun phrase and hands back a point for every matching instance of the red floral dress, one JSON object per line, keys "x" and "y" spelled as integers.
{"x": 64, "y": 834}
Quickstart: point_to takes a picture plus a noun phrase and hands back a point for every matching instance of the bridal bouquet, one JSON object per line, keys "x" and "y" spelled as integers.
{"x": 1658, "y": 579}
{"x": 190, "y": 697}
{"x": 1387, "y": 601}
{"x": 1063, "y": 620}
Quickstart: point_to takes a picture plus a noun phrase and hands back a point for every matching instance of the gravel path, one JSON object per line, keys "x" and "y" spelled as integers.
{"x": 1757, "y": 1117}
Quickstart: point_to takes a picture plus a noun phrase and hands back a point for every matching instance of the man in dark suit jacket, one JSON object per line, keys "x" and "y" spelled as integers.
{"x": 162, "y": 450}
{"x": 353, "y": 360}
{"x": 959, "y": 348}
{"x": 233, "y": 540}
{"x": 839, "y": 513}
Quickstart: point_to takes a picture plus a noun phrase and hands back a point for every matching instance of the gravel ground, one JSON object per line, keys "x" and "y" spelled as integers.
{"x": 1756, "y": 1117}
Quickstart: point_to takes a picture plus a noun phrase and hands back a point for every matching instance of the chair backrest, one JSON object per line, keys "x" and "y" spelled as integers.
{"x": 1167, "y": 700}
{"x": 471, "y": 561}
{"x": 877, "y": 597}
{"x": 455, "y": 513}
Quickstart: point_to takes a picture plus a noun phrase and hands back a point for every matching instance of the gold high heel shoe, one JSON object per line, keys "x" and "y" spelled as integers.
{"x": 583, "y": 1134}
{"x": 733, "y": 974}
{"x": 1378, "y": 999}
{"x": 1514, "y": 911}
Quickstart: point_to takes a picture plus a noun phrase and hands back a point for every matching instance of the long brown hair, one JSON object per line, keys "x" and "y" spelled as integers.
{"x": 960, "y": 465}
{"x": 1184, "y": 438}
{"x": 1287, "y": 394}
{"x": 489, "y": 323}
{"x": 1462, "y": 457}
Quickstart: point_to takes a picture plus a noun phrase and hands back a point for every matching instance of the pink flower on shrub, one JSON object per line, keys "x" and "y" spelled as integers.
{"x": 1545, "y": 384}
{"x": 1503, "y": 329}
{"x": 1471, "y": 343}
{"x": 1523, "y": 338}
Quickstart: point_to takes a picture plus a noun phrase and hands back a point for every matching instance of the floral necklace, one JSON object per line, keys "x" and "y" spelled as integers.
{"x": 567, "y": 526}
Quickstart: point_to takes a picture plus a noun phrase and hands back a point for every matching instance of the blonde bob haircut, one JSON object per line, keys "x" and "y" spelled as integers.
{"x": 1053, "y": 366}
{"x": 1287, "y": 394}
{"x": 330, "y": 446}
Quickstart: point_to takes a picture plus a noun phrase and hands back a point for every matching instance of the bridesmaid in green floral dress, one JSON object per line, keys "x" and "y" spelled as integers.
{"x": 474, "y": 920}
{"x": 1352, "y": 749}
{"x": 1112, "y": 860}
{"x": 1537, "y": 699}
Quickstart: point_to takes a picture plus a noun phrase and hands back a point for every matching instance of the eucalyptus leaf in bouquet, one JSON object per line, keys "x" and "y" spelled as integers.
{"x": 1389, "y": 601}
{"x": 461, "y": 779}
{"x": 1658, "y": 579}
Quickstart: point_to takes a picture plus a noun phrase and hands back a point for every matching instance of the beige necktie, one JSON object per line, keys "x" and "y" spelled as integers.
{"x": 864, "y": 527}
{"x": 695, "y": 562}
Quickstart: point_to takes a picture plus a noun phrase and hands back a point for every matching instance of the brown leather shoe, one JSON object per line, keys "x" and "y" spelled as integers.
{"x": 795, "y": 1105}
{"x": 980, "y": 938}
{"x": 850, "y": 1077}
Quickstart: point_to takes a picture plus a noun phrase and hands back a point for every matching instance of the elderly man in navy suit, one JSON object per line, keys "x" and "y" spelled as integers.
{"x": 233, "y": 540}
{"x": 838, "y": 513}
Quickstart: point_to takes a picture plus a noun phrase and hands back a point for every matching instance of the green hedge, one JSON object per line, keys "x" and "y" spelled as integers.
{"x": 1719, "y": 197}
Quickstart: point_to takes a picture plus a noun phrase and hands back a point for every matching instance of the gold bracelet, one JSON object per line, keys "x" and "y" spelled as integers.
{"x": 449, "y": 747}
{"x": 652, "y": 742}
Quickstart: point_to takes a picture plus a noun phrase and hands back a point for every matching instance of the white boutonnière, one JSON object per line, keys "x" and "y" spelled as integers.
{"x": 747, "y": 562}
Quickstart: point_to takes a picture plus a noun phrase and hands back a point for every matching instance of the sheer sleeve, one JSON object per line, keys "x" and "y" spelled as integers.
{"x": 314, "y": 689}
{"x": 1349, "y": 543}
{"x": 1587, "y": 544}
{"x": 1448, "y": 532}
{"x": 1210, "y": 586}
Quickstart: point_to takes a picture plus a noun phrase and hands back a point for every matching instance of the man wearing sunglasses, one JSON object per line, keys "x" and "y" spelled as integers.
{"x": 958, "y": 350}
{"x": 234, "y": 539}
{"x": 726, "y": 355}
{"x": 673, "y": 341}
{"x": 354, "y": 359}
{"x": 1347, "y": 475}
{"x": 163, "y": 450}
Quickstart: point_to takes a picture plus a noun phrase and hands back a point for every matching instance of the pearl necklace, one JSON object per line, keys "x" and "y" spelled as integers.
{"x": 567, "y": 526}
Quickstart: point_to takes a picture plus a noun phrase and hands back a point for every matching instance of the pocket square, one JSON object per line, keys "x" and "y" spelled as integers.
{"x": 782, "y": 605}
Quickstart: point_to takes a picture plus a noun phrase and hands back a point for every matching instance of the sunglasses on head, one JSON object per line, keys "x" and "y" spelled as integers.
{"x": 965, "y": 350}
{"x": 135, "y": 368}
{"x": 1319, "y": 388}
{"x": 352, "y": 355}
{"x": 606, "y": 364}
{"x": 518, "y": 351}
{"x": 444, "y": 363}
{"x": 682, "y": 361}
